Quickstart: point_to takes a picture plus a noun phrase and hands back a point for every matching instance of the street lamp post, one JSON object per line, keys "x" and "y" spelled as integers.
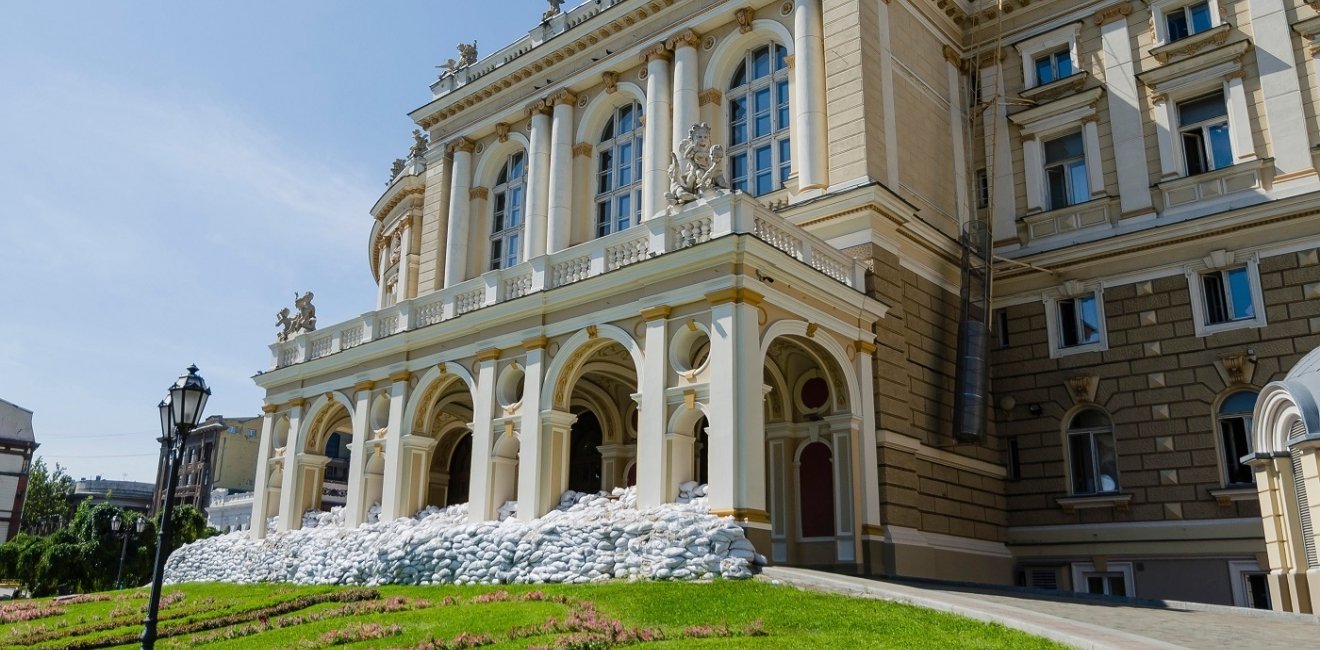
{"x": 115, "y": 527}
{"x": 179, "y": 414}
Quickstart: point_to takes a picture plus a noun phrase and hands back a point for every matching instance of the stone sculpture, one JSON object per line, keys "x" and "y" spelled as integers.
{"x": 553, "y": 11}
{"x": 696, "y": 168}
{"x": 395, "y": 170}
{"x": 419, "y": 146}
{"x": 291, "y": 324}
{"x": 467, "y": 55}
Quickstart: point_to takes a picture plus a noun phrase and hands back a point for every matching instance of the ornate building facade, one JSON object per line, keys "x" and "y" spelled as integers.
{"x": 556, "y": 310}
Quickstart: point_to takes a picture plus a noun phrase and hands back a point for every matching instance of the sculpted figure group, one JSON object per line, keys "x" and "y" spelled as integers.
{"x": 290, "y": 323}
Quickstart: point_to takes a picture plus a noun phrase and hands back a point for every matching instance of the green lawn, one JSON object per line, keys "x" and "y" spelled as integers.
{"x": 745, "y": 614}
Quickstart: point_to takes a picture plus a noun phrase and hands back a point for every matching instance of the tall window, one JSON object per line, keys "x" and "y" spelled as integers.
{"x": 1227, "y": 296}
{"x": 1065, "y": 171}
{"x": 1079, "y": 321}
{"x": 759, "y": 150}
{"x": 1235, "y": 436}
{"x": 509, "y": 201}
{"x": 1053, "y": 66}
{"x": 619, "y": 167}
{"x": 1203, "y": 126}
{"x": 1187, "y": 20}
{"x": 1091, "y": 453}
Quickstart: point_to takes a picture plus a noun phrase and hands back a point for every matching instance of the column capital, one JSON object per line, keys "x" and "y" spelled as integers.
{"x": 539, "y": 106}
{"x": 583, "y": 149}
{"x": 479, "y": 192}
{"x": 461, "y": 144}
{"x": 685, "y": 38}
{"x": 1110, "y": 13}
{"x": 710, "y": 96}
{"x": 657, "y": 52}
{"x": 363, "y": 385}
{"x": 734, "y": 295}
{"x": 488, "y": 354}
{"x": 536, "y": 343}
{"x": 866, "y": 347}
{"x": 294, "y": 403}
{"x": 951, "y": 55}
{"x": 402, "y": 375}
{"x": 564, "y": 96}
{"x": 656, "y": 313}
{"x": 270, "y": 408}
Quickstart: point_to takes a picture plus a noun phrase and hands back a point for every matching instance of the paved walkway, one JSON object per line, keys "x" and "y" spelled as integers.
{"x": 1084, "y": 622}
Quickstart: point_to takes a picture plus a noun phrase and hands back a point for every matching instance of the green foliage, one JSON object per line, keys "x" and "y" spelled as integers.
{"x": 81, "y": 556}
{"x": 46, "y": 505}
{"x": 187, "y": 525}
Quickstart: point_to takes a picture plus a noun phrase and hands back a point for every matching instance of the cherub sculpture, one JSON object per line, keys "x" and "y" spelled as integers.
{"x": 696, "y": 168}
{"x": 467, "y": 54}
{"x": 305, "y": 321}
{"x": 285, "y": 322}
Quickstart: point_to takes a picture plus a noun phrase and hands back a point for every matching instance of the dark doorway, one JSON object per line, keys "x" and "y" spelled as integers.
{"x": 584, "y": 463}
{"x": 700, "y": 449}
{"x": 460, "y": 471}
{"x": 816, "y": 486}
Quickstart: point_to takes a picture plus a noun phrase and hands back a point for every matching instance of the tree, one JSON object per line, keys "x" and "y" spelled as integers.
{"x": 46, "y": 507}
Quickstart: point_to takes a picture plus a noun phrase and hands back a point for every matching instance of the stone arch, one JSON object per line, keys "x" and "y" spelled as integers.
{"x": 779, "y": 394}
{"x": 836, "y": 353}
{"x": 496, "y": 153}
{"x": 602, "y": 406}
{"x": 431, "y": 385}
{"x": 315, "y": 419}
{"x": 1277, "y": 410}
{"x": 730, "y": 51}
{"x": 601, "y": 108}
{"x": 573, "y": 354}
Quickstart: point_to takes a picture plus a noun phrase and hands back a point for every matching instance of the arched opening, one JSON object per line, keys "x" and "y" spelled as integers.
{"x": 816, "y": 490}
{"x": 334, "y": 486}
{"x": 810, "y": 430}
{"x": 443, "y": 411}
{"x": 701, "y": 452}
{"x": 584, "y": 458}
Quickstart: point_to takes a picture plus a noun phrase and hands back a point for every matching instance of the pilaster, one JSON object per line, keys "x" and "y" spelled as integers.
{"x": 481, "y": 505}
{"x": 653, "y": 454}
{"x": 391, "y": 500}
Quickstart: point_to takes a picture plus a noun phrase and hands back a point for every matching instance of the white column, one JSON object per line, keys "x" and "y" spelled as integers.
{"x": 737, "y": 420}
{"x": 532, "y": 465}
{"x": 391, "y": 498}
{"x": 658, "y": 133}
{"x": 1272, "y": 37}
{"x": 1239, "y": 120}
{"x": 1165, "y": 119}
{"x": 460, "y": 203}
{"x": 260, "y": 498}
{"x": 538, "y": 180}
{"x": 1032, "y": 161}
{"x": 290, "y": 518}
{"x": 560, "y": 227}
{"x": 687, "y": 85}
{"x": 957, "y": 134}
{"x": 481, "y": 506}
{"x": 809, "y": 95}
{"x": 1095, "y": 173}
{"x": 402, "y": 289}
{"x": 999, "y": 155}
{"x": 382, "y": 265}
{"x": 1125, "y": 118}
{"x": 653, "y": 477}
{"x": 355, "y": 503}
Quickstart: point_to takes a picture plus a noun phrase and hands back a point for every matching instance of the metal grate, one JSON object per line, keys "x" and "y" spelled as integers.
{"x": 1043, "y": 578}
{"x": 1304, "y": 511}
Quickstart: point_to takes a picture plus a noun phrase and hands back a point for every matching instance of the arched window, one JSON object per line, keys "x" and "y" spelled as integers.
{"x": 1235, "y": 436}
{"x": 1092, "y": 456}
{"x": 619, "y": 171}
{"x": 508, "y": 199}
{"x": 759, "y": 151}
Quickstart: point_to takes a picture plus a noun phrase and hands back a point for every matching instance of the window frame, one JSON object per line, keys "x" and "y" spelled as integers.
{"x": 1202, "y": 130}
{"x": 778, "y": 140}
{"x": 1083, "y": 570}
{"x": 1049, "y": 43}
{"x": 632, "y": 191}
{"x": 1069, "y": 432}
{"x": 1066, "y": 165}
{"x": 1054, "y": 323}
{"x": 1162, "y": 9}
{"x": 1221, "y": 443}
{"x": 1196, "y": 274}
{"x": 515, "y": 233}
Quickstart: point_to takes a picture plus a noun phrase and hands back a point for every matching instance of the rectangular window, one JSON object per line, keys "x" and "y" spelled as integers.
{"x": 1234, "y": 433}
{"x": 781, "y": 102}
{"x": 982, "y": 189}
{"x": 1065, "y": 171}
{"x": 764, "y": 170}
{"x": 1001, "y": 327}
{"x": 1079, "y": 321}
{"x": 1014, "y": 460}
{"x": 1227, "y": 296}
{"x": 785, "y": 161}
{"x": 761, "y": 125}
{"x": 738, "y": 121}
{"x": 1053, "y": 66}
{"x": 1185, "y": 21}
{"x": 1203, "y": 127}
{"x": 1109, "y": 584}
{"x": 1094, "y": 462}
{"x": 738, "y": 169}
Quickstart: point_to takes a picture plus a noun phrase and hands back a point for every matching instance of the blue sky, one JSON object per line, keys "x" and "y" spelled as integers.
{"x": 172, "y": 172}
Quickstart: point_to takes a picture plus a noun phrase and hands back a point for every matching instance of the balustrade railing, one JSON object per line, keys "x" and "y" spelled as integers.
{"x": 697, "y": 223}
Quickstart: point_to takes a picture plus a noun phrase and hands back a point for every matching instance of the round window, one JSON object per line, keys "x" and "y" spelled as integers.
{"x": 815, "y": 392}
